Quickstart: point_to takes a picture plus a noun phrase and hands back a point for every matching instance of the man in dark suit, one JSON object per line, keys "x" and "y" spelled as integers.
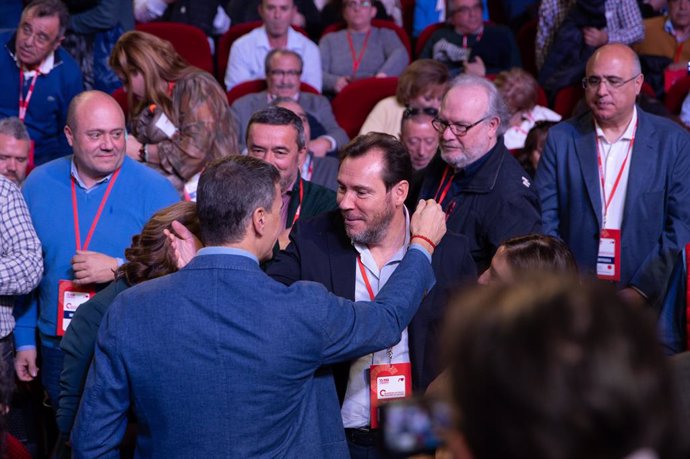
{"x": 283, "y": 71}
{"x": 354, "y": 251}
{"x": 276, "y": 135}
{"x": 227, "y": 368}
{"x": 631, "y": 231}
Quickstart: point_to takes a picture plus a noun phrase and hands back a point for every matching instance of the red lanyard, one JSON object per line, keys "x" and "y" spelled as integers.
{"x": 464, "y": 39}
{"x": 98, "y": 213}
{"x": 679, "y": 50}
{"x": 363, "y": 271}
{"x": 355, "y": 59}
{"x": 607, "y": 202}
{"x": 444, "y": 192}
{"x": 299, "y": 206}
{"x": 24, "y": 102}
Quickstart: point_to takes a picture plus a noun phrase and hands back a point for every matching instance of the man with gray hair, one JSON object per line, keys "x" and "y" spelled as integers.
{"x": 486, "y": 194}
{"x": 284, "y": 69}
{"x": 15, "y": 146}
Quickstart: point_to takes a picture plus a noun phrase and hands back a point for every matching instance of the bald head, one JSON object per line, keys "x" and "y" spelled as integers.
{"x": 620, "y": 52}
{"x": 91, "y": 99}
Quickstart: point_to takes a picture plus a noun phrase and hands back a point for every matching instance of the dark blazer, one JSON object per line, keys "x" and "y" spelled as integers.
{"x": 320, "y": 251}
{"x": 489, "y": 201}
{"x": 314, "y": 104}
{"x": 219, "y": 360}
{"x": 656, "y": 218}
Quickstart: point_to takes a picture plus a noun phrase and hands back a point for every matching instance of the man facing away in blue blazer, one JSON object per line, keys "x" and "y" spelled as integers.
{"x": 643, "y": 161}
{"x": 218, "y": 360}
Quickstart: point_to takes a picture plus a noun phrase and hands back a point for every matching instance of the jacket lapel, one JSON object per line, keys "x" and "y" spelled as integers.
{"x": 642, "y": 166}
{"x": 342, "y": 257}
{"x": 585, "y": 148}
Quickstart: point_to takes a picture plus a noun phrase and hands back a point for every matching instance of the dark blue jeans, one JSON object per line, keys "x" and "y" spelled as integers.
{"x": 50, "y": 369}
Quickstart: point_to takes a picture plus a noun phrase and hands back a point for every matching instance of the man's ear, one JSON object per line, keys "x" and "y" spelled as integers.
{"x": 259, "y": 221}
{"x": 69, "y": 135}
{"x": 400, "y": 191}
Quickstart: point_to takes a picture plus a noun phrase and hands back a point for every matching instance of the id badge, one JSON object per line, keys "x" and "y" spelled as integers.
{"x": 164, "y": 124}
{"x": 609, "y": 255}
{"x": 70, "y": 297}
{"x": 388, "y": 382}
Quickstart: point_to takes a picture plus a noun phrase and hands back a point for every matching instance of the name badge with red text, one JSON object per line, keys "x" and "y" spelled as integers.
{"x": 609, "y": 255}
{"x": 70, "y": 297}
{"x": 388, "y": 382}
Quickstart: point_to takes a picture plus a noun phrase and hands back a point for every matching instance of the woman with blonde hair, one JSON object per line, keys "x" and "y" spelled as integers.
{"x": 179, "y": 114}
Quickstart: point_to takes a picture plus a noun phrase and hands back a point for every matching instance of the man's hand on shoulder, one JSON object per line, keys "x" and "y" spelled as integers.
{"x": 93, "y": 267}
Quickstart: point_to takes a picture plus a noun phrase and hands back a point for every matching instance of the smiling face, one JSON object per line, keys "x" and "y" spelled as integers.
{"x": 367, "y": 207}
{"x": 466, "y": 105}
{"x": 613, "y": 106}
{"x": 37, "y": 37}
{"x": 97, "y": 136}
{"x": 277, "y": 145}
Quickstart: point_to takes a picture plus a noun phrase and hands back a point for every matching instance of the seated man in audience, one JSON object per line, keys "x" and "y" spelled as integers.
{"x": 469, "y": 45}
{"x": 284, "y": 69}
{"x": 419, "y": 137}
{"x": 85, "y": 207}
{"x": 248, "y": 53}
{"x": 665, "y": 49}
{"x": 208, "y": 15}
{"x": 15, "y": 146}
{"x": 276, "y": 135}
{"x": 360, "y": 51}
{"x": 253, "y": 389}
{"x": 39, "y": 78}
{"x": 322, "y": 170}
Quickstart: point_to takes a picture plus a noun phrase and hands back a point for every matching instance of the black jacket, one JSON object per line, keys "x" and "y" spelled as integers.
{"x": 488, "y": 205}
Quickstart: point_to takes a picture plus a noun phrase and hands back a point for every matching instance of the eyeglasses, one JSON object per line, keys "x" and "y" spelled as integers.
{"x": 410, "y": 112}
{"x": 457, "y": 129}
{"x": 40, "y": 38}
{"x": 355, "y": 4}
{"x": 283, "y": 73}
{"x": 612, "y": 82}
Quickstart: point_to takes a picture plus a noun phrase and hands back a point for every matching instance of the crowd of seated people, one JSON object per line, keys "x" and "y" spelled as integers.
{"x": 468, "y": 168}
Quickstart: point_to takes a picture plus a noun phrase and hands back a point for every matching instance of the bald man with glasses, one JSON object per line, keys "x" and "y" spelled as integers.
{"x": 613, "y": 183}
{"x": 487, "y": 196}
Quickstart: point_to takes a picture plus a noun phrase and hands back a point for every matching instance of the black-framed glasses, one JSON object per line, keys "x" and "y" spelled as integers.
{"x": 456, "y": 128}
{"x": 283, "y": 73}
{"x": 410, "y": 112}
{"x": 612, "y": 82}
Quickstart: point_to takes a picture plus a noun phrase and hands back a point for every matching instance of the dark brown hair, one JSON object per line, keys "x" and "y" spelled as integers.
{"x": 149, "y": 255}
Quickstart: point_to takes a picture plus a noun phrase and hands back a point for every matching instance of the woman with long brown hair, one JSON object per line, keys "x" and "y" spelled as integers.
{"x": 179, "y": 114}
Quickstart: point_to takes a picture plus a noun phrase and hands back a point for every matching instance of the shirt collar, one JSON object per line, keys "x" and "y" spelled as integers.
{"x": 219, "y": 250}
{"x": 75, "y": 174}
{"x": 629, "y": 132}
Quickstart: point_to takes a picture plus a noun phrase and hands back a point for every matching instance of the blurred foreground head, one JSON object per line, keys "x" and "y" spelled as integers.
{"x": 550, "y": 368}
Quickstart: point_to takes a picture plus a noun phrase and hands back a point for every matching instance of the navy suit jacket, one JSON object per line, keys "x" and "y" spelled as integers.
{"x": 656, "y": 217}
{"x": 219, "y": 360}
{"x": 320, "y": 251}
